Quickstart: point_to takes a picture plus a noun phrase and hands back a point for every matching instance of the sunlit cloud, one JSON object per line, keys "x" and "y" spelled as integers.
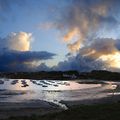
{"x": 88, "y": 28}
{"x": 71, "y": 34}
{"x": 15, "y": 53}
{"x": 113, "y": 60}
{"x": 88, "y": 20}
{"x": 16, "y": 41}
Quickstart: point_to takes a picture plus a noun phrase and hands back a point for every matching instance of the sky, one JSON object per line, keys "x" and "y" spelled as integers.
{"x": 45, "y": 35}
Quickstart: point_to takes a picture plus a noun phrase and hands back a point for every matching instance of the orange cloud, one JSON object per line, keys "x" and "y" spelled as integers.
{"x": 74, "y": 47}
{"x": 19, "y": 41}
{"x": 71, "y": 34}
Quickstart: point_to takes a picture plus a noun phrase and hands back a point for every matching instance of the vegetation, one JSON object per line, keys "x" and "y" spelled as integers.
{"x": 83, "y": 112}
{"x": 40, "y": 75}
{"x": 66, "y": 75}
{"x": 100, "y": 75}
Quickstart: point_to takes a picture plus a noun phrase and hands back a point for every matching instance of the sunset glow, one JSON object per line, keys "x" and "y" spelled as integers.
{"x": 72, "y": 35}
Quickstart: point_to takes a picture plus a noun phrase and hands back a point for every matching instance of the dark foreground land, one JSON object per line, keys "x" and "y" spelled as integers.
{"x": 82, "y": 112}
{"x": 103, "y": 111}
{"x": 63, "y": 75}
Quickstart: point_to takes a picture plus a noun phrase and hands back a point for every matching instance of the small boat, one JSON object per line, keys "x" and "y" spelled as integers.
{"x": 67, "y": 84}
{"x": 44, "y": 86}
{"x": 60, "y": 83}
{"x": 1, "y": 82}
{"x": 56, "y": 85}
{"x": 51, "y": 81}
{"x": 14, "y": 82}
{"x": 34, "y": 82}
{"x": 25, "y": 85}
{"x": 23, "y": 81}
{"x": 47, "y": 82}
{"x": 39, "y": 84}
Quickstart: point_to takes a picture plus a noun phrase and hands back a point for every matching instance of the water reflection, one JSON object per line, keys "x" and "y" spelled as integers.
{"x": 18, "y": 90}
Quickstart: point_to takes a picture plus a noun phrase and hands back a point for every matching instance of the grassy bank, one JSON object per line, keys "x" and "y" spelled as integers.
{"x": 83, "y": 112}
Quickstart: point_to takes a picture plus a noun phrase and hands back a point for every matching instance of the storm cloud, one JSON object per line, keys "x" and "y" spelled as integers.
{"x": 22, "y": 61}
{"x": 99, "y": 54}
{"x": 87, "y": 28}
{"x": 86, "y": 19}
{"x": 15, "y": 54}
{"x": 80, "y": 63}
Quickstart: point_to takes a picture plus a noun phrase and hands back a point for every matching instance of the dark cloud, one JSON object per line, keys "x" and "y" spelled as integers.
{"x": 91, "y": 57}
{"x": 88, "y": 20}
{"x": 26, "y": 56}
{"x": 100, "y": 46}
{"x": 81, "y": 23}
{"x": 80, "y": 63}
{"x": 43, "y": 67}
{"x": 22, "y": 61}
{"x": 15, "y": 54}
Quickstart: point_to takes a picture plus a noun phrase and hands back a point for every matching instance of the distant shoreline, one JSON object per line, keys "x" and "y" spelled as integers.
{"x": 66, "y": 75}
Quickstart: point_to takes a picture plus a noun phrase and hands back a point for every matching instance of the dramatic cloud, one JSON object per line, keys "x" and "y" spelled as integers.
{"x": 80, "y": 63}
{"x": 89, "y": 28}
{"x": 105, "y": 49}
{"x": 22, "y": 61}
{"x": 85, "y": 19}
{"x": 27, "y": 56}
{"x": 16, "y": 41}
{"x": 67, "y": 37}
{"x": 15, "y": 54}
{"x": 43, "y": 67}
{"x": 74, "y": 47}
{"x": 101, "y": 53}
{"x": 86, "y": 27}
{"x": 99, "y": 47}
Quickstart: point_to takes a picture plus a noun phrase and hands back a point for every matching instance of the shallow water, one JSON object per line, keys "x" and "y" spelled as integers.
{"x": 14, "y": 90}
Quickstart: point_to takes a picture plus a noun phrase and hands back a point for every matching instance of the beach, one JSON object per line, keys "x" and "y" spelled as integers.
{"x": 41, "y": 108}
{"x": 20, "y": 101}
{"x": 28, "y": 108}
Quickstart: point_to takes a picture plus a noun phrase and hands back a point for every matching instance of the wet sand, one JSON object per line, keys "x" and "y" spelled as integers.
{"x": 105, "y": 100}
{"x": 37, "y": 107}
{"x": 41, "y": 107}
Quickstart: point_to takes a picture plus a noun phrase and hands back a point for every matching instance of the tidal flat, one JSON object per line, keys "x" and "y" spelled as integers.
{"x": 36, "y": 98}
